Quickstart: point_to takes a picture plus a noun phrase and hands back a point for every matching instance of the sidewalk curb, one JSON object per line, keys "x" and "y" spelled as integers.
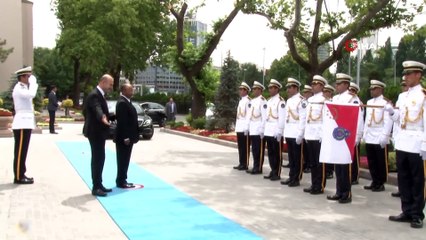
{"x": 363, "y": 173}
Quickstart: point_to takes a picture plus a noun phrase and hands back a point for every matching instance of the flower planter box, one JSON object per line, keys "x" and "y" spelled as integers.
{"x": 231, "y": 138}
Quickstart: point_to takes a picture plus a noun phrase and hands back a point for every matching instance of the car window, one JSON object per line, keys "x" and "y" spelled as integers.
{"x": 158, "y": 106}
{"x": 138, "y": 109}
{"x": 144, "y": 105}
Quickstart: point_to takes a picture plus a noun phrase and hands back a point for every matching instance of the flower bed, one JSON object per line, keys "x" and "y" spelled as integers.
{"x": 186, "y": 129}
{"x": 5, "y": 112}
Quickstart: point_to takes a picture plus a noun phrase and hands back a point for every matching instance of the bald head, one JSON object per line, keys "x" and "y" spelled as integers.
{"x": 106, "y": 83}
{"x": 127, "y": 90}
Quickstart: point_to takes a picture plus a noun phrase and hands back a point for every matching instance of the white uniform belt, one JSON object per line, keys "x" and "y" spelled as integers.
{"x": 412, "y": 128}
{"x": 314, "y": 122}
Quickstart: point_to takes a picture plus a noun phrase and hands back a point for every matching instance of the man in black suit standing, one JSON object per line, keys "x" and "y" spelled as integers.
{"x": 52, "y": 106}
{"x": 96, "y": 128}
{"x": 171, "y": 110}
{"x": 126, "y": 134}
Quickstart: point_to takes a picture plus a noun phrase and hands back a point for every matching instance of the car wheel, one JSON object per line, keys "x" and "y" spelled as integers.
{"x": 148, "y": 136}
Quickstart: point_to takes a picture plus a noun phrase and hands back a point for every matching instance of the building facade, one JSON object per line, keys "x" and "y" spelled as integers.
{"x": 16, "y": 27}
{"x": 198, "y": 30}
{"x": 160, "y": 79}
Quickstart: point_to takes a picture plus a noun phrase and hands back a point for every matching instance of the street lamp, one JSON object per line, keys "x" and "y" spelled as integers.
{"x": 394, "y": 50}
{"x": 263, "y": 68}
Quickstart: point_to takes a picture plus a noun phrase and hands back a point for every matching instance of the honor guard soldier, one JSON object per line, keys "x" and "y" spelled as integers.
{"x": 343, "y": 170}
{"x": 410, "y": 145}
{"x": 242, "y": 127}
{"x": 328, "y": 93}
{"x": 257, "y": 115}
{"x": 274, "y": 127}
{"x": 376, "y": 136}
{"x": 23, "y": 121}
{"x": 395, "y": 128}
{"x": 294, "y": 130}
{"x": 354, "y": 89}
{"x": 313, "y": 135}
{"x": 306, "y": 93}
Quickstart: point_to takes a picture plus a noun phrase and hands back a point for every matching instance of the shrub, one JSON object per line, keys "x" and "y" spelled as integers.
{"x": 67, "y": 103}
{"x": 392, "y": 162}
{"x": 199, "y": 123}
{"x": 1, "y": 102}
{"x": 189, "y": 119}
{"x": 211, "y": 124}
{"x": 45, "y": 102}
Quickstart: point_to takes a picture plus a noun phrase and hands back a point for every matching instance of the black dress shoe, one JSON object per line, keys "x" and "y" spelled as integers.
{"x": 400, "y": 218}
{"x": 316, "y": 191}
{"x": 237, "y": 167}
{"x": 307, "y": 190}
{"x": 275, "y": 178}
{"x": 396, "y": 194}
{"x": 294, "y": 183}
{"x": 355, "y": 182}
{"x": 253, "y": 172}
{"x": 24, "y": 180}
{"x": 416, "y": 223}
{"x": 104, "y": 189}
{"x": 379, "y": 188}
{"x": 125, "y": 185}
{"x": 98, "y": 192}
{"x": 334, "y": 197}
{"x": 370, "y": 187}
{"x": 286, "y": 182}
{"x": 53, "y": 133}
{"x": 268, "y": 176}
{"x": 345, "y": 200}
{"x": 241, "y": 168}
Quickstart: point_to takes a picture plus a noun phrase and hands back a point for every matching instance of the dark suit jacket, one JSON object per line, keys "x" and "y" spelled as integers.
{"x": 169, "y": 113}
{"x": 94, "y": 108}
{"x": 127, "y": 121}
{"x": 53, "y": 102}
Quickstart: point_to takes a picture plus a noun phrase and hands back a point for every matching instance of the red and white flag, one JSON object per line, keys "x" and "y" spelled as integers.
{"x": 340, "y": 122}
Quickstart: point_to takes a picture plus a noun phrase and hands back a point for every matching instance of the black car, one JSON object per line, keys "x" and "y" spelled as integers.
{"x": 146, "y": 129}
{"x": 156, "y": 111}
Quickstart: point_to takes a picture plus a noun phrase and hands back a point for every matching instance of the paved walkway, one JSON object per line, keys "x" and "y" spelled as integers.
{"x": 59, "y": 204}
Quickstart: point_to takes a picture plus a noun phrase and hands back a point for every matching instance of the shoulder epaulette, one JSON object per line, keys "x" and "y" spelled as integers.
{"x": 387, "y": 100}
{"x": 261, "y": 97}
{"x": 301, "y": 97}
{"x": 249, "y": 98}
{"x": 353, "y": 94}
{"x": 424, "y": 91}
{"x": 281, "y": 98}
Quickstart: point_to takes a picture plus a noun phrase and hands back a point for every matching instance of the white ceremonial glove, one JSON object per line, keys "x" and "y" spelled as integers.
{"x": 32, "y": 80}
{"x": 383, "y": 141}
{"x": 299, "y": 140}
{"x": 357, "y": 140}
{"x": 246, "y": 132}
{"x": 261, "y": 135}
{"x": 279, "y": 136}
{"x": 389, "y": 108}
{"x": 423, "y": 154}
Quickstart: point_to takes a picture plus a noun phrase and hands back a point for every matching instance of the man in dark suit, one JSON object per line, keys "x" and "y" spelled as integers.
{"x": 96, "y": 128}
{"x": 126, "y": 134}
{"x": 52, "y": 106}
{"x": 171, "y": 110}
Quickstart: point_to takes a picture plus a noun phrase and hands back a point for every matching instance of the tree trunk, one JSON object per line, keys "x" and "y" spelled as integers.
{"x": 76, "y": 87}
{"x": 198, "y": 107}
{"x": 115, "y": 72}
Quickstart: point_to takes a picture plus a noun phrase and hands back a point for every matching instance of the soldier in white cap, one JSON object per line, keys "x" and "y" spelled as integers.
{"x": 354, "y": 89}
{"x": 274, "y": 127}
{"x": 410, "y": 145}
{"x": 343, "y": 170}
{"x": 23, "y": 121}
{"x": 306, "y": 93}
{"x": 257, "y": 115}
{"x": 313, "y": 135}
{"x": 242, "y": 127}
{"x": 376, "y": 136}
{"x": 395, "y": 128}
{"x": 328, "y": 91}
{"x": 294, "y": 130}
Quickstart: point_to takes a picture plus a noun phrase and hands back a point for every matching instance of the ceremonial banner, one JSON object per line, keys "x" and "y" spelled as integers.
{"x": 340, "y": 122}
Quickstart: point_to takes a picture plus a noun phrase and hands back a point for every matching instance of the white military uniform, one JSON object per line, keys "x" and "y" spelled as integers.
{"x": 23, "y": 103}
{"x": 275, "y": 119}
{"x": 396, "y": 126}
{"x": 243, "y": 120}
{"x": 377, "y": 121}
{"x": 257, "y": 115}
{"x": 295, "y": 116}
{"x": 412, "y": 121}
{"x": 313, "y": 128}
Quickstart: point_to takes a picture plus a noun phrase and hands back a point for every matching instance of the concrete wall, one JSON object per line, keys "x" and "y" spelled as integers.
{"x": 16, "y": 28}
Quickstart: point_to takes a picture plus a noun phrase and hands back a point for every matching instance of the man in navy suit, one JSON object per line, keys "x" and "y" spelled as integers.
{"x": 96, "y": 128}
{"x": 126, "y": 134}
{"x": 52, "y": 106}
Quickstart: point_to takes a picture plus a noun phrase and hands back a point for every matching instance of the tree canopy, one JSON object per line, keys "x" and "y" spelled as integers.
{"x": 4, "y": 52}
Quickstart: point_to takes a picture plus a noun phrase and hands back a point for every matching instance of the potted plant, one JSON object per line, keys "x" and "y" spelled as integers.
{"x": 6, "y": 119}
{"x": 67, "y": 104}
